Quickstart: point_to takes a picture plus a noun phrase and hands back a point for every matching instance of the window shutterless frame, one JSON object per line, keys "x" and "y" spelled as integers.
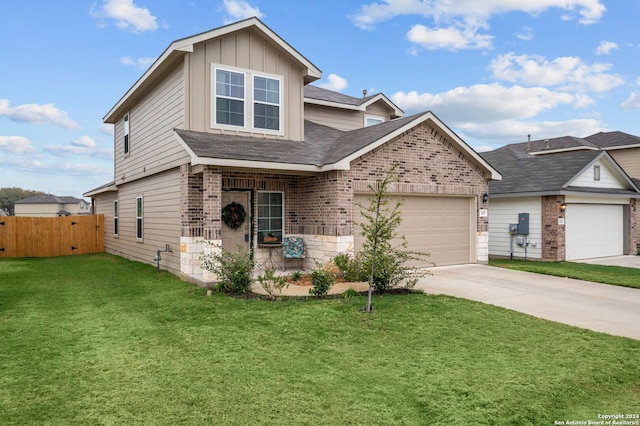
{"x": 126, "y": 134}
{"x": 115, "y": 218}
{"x": 270, "y": 215}
{"x": 139, "y": 218}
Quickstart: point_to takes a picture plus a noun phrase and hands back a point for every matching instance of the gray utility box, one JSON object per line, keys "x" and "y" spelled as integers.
{"x": 523, "y": 223}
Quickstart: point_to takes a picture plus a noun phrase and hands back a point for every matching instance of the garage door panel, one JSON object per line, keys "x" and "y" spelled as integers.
{"x": 437, "y": 225}
{"x": 594, "y": 230}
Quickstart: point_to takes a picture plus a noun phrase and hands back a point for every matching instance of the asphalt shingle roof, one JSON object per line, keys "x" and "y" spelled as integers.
{"x": 528, "y": 173}
{"x": 49, "y": 199}
{"x": 613, "y": 139}
{"x": 315, "y": 92}
{"x": 322, "y": 144}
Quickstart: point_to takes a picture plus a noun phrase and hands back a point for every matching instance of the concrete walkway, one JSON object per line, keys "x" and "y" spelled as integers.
{"x": 599, "y": 307}
{"x": 629, "y": 261}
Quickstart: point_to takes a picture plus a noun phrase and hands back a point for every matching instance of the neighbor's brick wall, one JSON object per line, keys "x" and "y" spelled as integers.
{"x": 633, "y": 226}
{"x": 553, "y": 234}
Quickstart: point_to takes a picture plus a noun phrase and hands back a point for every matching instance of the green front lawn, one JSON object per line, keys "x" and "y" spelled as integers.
{"x": 97, "y": 339}
{"x": 615, "y": 275}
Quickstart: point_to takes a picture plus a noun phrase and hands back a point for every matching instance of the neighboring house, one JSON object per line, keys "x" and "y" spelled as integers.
{"x": 225, "y": 125}
{"x": 49, "y": 205}
{"x": 580, "y": 203}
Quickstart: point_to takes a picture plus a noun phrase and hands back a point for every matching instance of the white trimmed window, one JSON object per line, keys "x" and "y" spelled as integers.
{"x": 115, "y": 217}
{"x": 139, "y": 218}
{"x": 243, "y": 100}
{"x": 372, "y": 120}
{"x": 270, "y": 214}
{"x": 126, "y": 134}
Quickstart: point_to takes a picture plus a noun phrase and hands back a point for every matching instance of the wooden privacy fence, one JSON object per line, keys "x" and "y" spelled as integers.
{"x": 24, "y": 236}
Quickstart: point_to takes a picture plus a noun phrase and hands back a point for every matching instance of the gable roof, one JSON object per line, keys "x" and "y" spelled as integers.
{"x": 324, "y": 148}
{"x": 181, "y": 47}
{"x": 614, "y": 140}
{"x": 49, "y": 199}
{"x": 319, "y": 96}
{"x": 525, "y": 174}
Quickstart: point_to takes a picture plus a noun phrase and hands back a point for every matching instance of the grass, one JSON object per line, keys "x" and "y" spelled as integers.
{"x": 614, "y": 275}
{"x": 96, "y": 339}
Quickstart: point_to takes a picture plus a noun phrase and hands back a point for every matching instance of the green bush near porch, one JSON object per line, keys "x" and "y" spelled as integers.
{"x": 96, "y": 339}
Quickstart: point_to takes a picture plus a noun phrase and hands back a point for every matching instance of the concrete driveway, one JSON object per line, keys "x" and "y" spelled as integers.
{"x": 599, "y": 307}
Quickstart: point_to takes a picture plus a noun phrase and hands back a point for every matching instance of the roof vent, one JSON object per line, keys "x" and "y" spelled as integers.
{"x": 546, "y": 141}
{"x": 364, "y": 93}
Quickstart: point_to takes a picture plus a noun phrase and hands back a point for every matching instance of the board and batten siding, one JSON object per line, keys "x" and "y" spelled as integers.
{"x": 161, "y": 219}
{"x": 607, "y": 178}
{"x": 502, "y": 212}
{"x": 245, "y": 50}
{"x": 153, "y": 147}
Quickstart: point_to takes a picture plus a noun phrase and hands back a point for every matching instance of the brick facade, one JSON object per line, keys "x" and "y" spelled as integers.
{"x": 553, "y": 232}
{"x": 319, "y": 207}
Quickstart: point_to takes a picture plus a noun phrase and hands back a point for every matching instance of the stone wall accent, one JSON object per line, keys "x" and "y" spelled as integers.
{"x": 190, "y": 251}
{"x": 553, "y": 234}
{"x": 482, "y": 247}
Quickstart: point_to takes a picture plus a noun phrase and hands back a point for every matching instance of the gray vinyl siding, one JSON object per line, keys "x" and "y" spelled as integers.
{"x": 152, "y": 144}
{"x": 249, "y": 51}
{"x": 502, "y": 212}
{"x": 161, "y": 219}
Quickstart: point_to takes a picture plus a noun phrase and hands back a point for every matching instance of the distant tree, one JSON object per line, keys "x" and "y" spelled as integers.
{"x": 8, "y": 196}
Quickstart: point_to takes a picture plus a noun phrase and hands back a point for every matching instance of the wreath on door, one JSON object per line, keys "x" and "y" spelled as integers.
{"x": 233, "y": 215}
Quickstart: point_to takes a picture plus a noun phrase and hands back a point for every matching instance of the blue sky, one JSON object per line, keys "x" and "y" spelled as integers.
{"x": 493, "y": 70}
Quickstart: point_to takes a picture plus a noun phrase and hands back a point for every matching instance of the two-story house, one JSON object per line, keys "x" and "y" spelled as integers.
{"x": 49, "y": 205}
{"x": 223, "y": 139}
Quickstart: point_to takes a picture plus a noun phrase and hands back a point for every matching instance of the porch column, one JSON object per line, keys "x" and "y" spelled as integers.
{"x": 211, "y": 203}
{"x": 190, "y": 202}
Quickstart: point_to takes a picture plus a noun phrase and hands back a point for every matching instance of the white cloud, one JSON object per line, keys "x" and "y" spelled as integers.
{"x": 485, "y": 102}
{"x": 84, "y": 146}
{"x": 632, "y": 102}
{"x": 37, "y": 114}
{"x": 240, "y": 9}
{"x": 448, "y": 38}
{"x": 457, "y": 23}
{"x": 107, "y": 129}
{"x": 510, "y": 131}
{"x": 335, "y": 83}
{"x": 16, "y": 145}
{"x": 526, "y": 34}
{"x": 128, "y": 16}
{"x": 565, "y": 73}
{"x": 605, "y": 47}
{"x": 140, "y": 63}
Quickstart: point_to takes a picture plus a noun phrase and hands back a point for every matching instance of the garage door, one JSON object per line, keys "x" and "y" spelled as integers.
{"x": 437, "y": 225}
{"x": 593, "y": 230}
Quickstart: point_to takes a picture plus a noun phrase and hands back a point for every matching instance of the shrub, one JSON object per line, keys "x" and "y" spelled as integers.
{"x": 350, "y": 292}
{"x": 350, "y": 268}
{"x": 271, "y": 284}
{"x": 296, "y": 275}
{"x": 234, "y": 269}
{"x": 321, "y": 281}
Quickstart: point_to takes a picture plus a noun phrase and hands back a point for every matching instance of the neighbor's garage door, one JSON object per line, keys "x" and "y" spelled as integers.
{"x": 437, "y": 225}
{"x": 593, "y": 230}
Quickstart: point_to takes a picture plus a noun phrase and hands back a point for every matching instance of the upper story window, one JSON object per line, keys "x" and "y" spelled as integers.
{"x": 372, "y": 120}
{"x": 247, "y": 101}
{"x": 126, "y": 134}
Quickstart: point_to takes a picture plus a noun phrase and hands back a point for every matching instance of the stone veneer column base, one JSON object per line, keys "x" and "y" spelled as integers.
{"x": 482, "y": 247}
{"x": 322, "y": 248}
{"x": 191, "y": 248}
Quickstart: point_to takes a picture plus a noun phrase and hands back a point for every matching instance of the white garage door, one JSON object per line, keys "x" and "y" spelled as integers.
{"x": 593, "y": 230}
{"x": 437, "y": 225}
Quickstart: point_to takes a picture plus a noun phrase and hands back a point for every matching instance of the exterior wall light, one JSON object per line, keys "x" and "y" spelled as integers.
{"x": 485, "y": 197}
{"x": 562, "y": 207}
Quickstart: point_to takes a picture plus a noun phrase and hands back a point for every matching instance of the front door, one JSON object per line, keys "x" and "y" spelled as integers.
{"x": 234, "y": 239}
